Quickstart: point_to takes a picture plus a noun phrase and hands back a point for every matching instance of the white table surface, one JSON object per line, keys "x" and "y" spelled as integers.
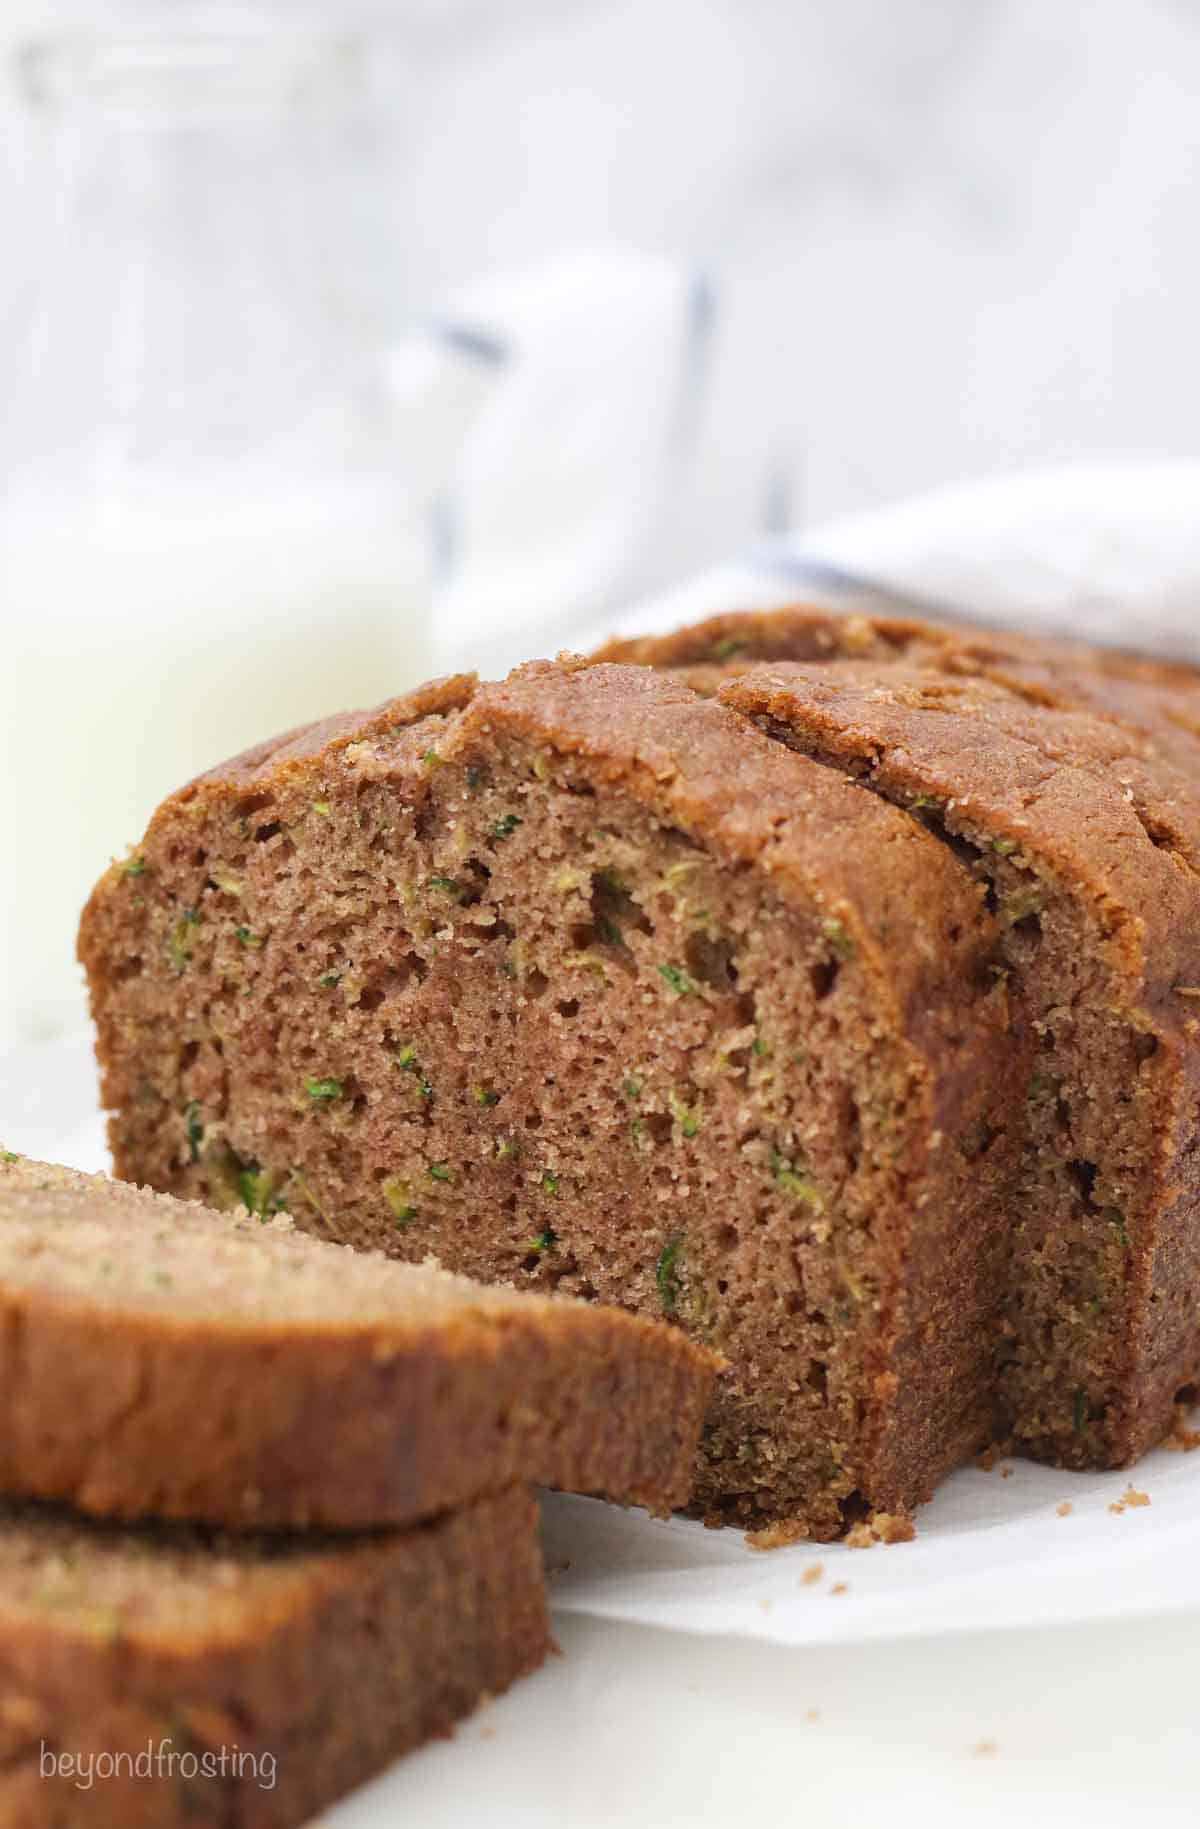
{"x": 1090, "y": 1726}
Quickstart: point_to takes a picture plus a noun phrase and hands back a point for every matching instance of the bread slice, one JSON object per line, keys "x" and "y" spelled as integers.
{"x": 163, "y": 1676}
{"x": 161, "y": 1359}
{"x": 579, "y": 980}
{"x": 1067, "y": 781}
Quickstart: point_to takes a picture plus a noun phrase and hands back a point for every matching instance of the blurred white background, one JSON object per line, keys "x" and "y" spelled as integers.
{"x": 951, "y": 237}
{"x": 779, "y": 262}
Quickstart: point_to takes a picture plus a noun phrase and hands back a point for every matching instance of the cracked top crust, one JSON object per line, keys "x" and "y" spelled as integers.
{"x": 1094, "y": 797}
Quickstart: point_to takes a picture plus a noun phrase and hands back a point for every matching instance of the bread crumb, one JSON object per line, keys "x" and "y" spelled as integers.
{"x": 840, "y": 1587}
{"x": 1006, "y": 1473}
{"x": 812, "y": 1714}
{"x": 894, "y": 1527}
{"x": 983, "y": 1749}
{"x": 766, "y": 1603}
{"x": 987, "y": 1460}
{"x": 881, "y": 1527}
{"x": 1129, "y": 1498}
{"x": 1065, "y": 1509}
{"x": 812, "y": 1574}
{"x": 777, "y": 1536}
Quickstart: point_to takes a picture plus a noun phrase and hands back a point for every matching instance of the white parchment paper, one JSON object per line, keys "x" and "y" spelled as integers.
{"x": 990, "y": 1551}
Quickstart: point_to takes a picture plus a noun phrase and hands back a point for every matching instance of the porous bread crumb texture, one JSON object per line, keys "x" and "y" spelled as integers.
{"x": 159, "y": 1358}
{"x": 317, "y": 1661}
{"x": 1065, "y": 780}
{"x": 580, "y": 981}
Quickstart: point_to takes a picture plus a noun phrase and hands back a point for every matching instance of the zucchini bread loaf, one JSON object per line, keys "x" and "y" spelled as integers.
{"x": 582, "y": 981}
{"x": 162, "y": 1676}
{"x": 1067, "y": 783}
{"x": 160, "y": 1359}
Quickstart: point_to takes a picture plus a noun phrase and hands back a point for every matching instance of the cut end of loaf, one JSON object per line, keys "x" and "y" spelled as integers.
{"x": 580, "y": 983}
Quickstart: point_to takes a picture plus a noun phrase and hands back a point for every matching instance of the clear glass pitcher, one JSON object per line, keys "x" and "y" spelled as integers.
{"x": 203, "y": 533}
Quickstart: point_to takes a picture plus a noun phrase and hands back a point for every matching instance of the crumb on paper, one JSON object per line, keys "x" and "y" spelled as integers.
{"x": 984, "y": 1749}
{"x": 812, "y": 1714}
{"x": 812, "y": 1574}
{"x": 777, "y": 1536}
{"x": 1064, "y": 1510}
{"x": 840, "y": 1587}
{"x": 881, "y": 1527}
{"x": 987, "y": 1460}
{"x": 1129, "y": 1499}
{"x": 487, "y": 1733}
{"x": 1006, "y": 1473}
{"x": 766, "y": 1603}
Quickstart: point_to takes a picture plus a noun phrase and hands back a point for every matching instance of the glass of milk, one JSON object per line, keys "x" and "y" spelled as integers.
{"x": 204, "y": 532}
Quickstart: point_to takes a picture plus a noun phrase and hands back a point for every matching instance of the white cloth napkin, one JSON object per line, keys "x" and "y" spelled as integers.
{"x": 1104, "y": 553}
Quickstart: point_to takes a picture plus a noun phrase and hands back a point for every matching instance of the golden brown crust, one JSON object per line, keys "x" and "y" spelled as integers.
{"x": 160, "y": 1359}
{"x": 820, "y": 837}
{"x": 255, "y": 1680}
{"x": 307, "y": 742}
{"x": 731, "y": 641}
